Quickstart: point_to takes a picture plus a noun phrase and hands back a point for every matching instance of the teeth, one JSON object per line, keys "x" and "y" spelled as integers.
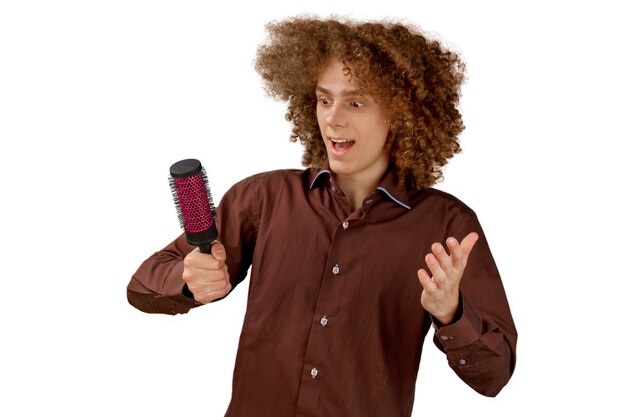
{"x": 342, "y": 140}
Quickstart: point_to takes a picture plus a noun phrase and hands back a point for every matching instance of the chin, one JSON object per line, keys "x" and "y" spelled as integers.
{"x": 338, "y": 168}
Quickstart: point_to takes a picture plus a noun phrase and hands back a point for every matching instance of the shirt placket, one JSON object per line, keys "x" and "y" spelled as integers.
{"x": 317, "y": 370}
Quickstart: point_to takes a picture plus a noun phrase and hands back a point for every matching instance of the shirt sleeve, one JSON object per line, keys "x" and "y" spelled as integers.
{"x": 158, "y": 286}
{"x": 480, "y": 346}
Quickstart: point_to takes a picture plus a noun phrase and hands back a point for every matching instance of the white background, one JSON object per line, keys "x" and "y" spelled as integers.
{"x": 98, "y": 98}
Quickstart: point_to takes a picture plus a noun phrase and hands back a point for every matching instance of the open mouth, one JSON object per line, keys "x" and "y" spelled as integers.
{"x": 341, "y": 145}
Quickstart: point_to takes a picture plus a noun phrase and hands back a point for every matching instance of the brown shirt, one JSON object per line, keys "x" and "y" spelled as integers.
{"x": 334, "y": 325}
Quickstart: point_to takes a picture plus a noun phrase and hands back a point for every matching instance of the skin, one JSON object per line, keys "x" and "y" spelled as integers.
{"x": 206, "y": 275}
{"x": 348, "y": 115}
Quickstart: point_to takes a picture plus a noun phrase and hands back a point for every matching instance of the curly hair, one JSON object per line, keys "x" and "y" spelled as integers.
{"x": 416, "y": 79}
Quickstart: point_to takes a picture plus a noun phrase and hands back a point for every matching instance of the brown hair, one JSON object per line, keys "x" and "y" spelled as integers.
{"x": 416, "y": 79}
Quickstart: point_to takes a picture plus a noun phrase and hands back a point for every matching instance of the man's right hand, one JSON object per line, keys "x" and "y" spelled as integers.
{"x": 206, "y": 274}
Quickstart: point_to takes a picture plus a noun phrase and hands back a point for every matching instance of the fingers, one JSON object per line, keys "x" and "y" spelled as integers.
{"x": 443, "y": 265}
{"x": 206, "y": 296}
{"x": 206, "y": 261}
{"x": 457, "y": 258}
{"x": 467, "y": 244}
{"x": 207, "y": 285}
{"x": 206, "y": 274}
{"x": 442, "y": 257}
{"x": 440, "y": 296}
{"x": 458, "y": 252}
{"x": 427, "y": 283}
{"x": 432, "y": 284}
{"x": 438, "y": 273}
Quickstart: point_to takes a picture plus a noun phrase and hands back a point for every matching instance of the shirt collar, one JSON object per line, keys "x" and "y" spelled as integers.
{"x": 386, "y": 185}
{"x": 318, "y": 176}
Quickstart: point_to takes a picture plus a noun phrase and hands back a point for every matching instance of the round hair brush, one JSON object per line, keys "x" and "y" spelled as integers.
{"x": 194, "y": 204}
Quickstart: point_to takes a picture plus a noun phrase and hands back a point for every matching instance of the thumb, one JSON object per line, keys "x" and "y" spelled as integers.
{"x": 218, "y": 251}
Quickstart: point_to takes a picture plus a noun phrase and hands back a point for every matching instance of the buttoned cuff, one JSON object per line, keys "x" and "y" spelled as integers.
{"x": 463, "y": 332}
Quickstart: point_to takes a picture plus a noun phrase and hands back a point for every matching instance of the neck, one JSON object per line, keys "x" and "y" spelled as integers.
{"x": 357, "y": 189}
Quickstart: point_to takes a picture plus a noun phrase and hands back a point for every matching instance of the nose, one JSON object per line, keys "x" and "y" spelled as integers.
{"x": 336, "y": 115}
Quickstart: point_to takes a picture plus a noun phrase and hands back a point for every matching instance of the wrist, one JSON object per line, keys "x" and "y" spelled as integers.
{"x": 450, "y": 318}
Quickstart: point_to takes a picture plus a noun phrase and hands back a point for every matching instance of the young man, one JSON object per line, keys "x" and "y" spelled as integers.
{"x": 354, "y": 258}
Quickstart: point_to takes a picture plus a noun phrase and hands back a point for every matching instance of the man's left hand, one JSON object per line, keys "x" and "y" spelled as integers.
{"x": 441, "y": 291}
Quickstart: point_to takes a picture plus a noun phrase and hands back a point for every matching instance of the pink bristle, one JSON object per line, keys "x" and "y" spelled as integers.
{"x": 194, "y": 202}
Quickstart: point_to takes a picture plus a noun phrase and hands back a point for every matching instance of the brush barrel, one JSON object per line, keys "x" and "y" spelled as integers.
{"x": 193, "y": 201}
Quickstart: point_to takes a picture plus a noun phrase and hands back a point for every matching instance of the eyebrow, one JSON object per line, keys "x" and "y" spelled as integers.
{"x": 343, "y": 93}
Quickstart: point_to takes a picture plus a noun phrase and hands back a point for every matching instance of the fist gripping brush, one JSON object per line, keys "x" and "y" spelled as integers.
{"x": 192, "y": 197}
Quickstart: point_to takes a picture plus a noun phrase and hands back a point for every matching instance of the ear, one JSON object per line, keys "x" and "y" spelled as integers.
{"x": 390, "y": 136}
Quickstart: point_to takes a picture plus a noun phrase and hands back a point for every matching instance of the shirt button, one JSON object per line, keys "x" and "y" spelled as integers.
{"x": 336, "y": 269}
{"x": 324, "y": 321}
{"x": 368, "y": 201}
{"x": 345, "y": 225}
{"x": 462, "y": 362}
{"x": 313, "y": 372}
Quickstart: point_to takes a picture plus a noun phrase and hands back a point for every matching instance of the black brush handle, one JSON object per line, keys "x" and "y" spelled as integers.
{"x": 206, "y": 248}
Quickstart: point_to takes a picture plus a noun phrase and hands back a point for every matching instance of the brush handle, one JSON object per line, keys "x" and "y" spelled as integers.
{"x": 206, "y": 248}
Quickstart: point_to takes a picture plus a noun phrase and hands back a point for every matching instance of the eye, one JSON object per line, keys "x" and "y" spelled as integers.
{"x": 356, "y": 104}
{"x": 324, "y": 101}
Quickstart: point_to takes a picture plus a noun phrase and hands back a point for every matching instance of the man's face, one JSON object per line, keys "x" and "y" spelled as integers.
{"x": 353, "y": 125}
